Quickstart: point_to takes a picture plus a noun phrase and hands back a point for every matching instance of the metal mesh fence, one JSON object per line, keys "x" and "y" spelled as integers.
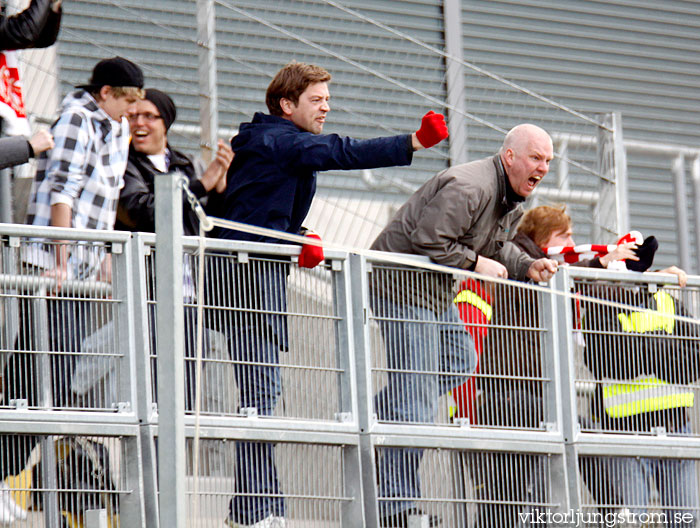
{"x": 461, "y": 488}
{"x": 272, "y": 336}
{"x": 311, "y": 457}
{"x": 55, "y": 480}
{"x": 422, "y": 350}
{"x": 642, "y": 491}
{"x": 306, "y": 485}
{"x": 59, "y": 341}
{"x": 640, "y": 364}
{"x": 511, "y": 386}
{"x": 491, "y": 329}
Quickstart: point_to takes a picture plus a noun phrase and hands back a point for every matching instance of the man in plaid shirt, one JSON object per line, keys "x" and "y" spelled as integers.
{"x": 78, "y": 181}
{"x": 77, "y": 185}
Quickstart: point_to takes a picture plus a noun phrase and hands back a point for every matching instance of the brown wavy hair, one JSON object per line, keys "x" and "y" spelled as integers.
{"x": 290, "y": 82}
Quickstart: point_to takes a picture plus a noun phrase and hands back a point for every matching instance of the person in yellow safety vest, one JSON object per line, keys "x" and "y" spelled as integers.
{"x": 646, "y": 393}
{"x": 646, "y": 364}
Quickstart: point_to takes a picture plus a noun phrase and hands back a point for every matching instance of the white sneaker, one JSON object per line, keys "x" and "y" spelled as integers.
{"x": 10, "y": 511}
{"x": 268, "y": 522}
{"x": 6, "y": 516}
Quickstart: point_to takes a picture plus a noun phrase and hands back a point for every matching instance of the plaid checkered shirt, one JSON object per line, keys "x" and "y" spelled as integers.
{"x": 84, "y": 170}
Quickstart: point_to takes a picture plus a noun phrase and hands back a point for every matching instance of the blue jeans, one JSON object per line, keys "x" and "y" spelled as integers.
{"x": 259, "y": 330}
{"x": 675, "y": 479}
{"x": 427, "y": 355}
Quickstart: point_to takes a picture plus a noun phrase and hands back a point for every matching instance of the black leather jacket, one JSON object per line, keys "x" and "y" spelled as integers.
{"x": 35, "y": 27}
{"x": 136, "y": 208}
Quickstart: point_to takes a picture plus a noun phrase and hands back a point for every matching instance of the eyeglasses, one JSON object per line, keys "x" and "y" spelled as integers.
{"x": 147, "y": 116}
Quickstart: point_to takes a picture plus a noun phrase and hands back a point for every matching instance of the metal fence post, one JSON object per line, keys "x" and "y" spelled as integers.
{"x": 343, "y": 307}
{"x": 170, "y": 327}
{"x": 40, "y": 329}
{"x": 611, "y": 214}
{"x": 141, "y": 385}
{"x": 208, "y": 96}
{"x": 131, "y": 507}
{"x": 551, "y": 370}
{"x": 365, "y": 412}
{"x": 682, "y": 230}
{"x": 454, "y": 75}
{"x": 695, "y": 173}
{"x": 562, "y": 327}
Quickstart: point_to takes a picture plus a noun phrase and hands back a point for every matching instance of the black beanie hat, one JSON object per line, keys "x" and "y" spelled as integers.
{"x": 116, "y": 71}
{"x": 164, "y": 104}
{"x": 645, "y": 252}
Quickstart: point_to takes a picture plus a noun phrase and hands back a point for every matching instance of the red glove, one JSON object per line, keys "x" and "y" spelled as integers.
{"x": 310, "y": 256}
{"x": 433, "y": 129}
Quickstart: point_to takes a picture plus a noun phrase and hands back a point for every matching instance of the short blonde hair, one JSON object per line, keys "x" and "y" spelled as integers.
{"x": 129, "y": 91}
{"x": 121, "y": 91}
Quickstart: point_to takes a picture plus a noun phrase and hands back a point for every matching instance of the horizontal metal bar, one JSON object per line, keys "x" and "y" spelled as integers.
{"x": 631, "y": 145}
{"x": 33, "y": 283}
{"x": 195, "y": 131}
{"x": 55, "y": 427}
{"x": 569, "y": 196}
{"x": 670, "y": 150}
{"x": 286, "y": 495}
{"x": 578, "y": 140}
{"x": 63, "y": 233}
{"x": 461, "y": 431}
{"x": 629, "y": 276}
{"x": 12, "y": 416}
{"x": 273, "y": 423}
{"x": 274, "y": 435}
{"x": 637, "y": 445}
{"x": 477, "y": 440}
{"x": 191, "y": 245}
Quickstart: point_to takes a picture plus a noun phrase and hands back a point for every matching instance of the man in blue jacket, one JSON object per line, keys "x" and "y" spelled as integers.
{"x": 271, "y": 184}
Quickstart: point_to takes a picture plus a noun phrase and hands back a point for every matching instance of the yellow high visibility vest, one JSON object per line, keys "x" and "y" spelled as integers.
{"x": 651, "y": 320}
{"x": 642, "y": 395}
{"x": 646, "y": 393}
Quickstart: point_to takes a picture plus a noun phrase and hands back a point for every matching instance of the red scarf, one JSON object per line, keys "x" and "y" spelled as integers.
{"x": 12, "y": 110}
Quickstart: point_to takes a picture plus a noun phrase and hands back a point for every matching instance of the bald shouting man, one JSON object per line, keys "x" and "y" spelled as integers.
{"x": 462, "y": 217}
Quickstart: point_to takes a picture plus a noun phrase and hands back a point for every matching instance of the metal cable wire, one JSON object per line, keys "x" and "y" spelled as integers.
{"x": 396, "y": 259}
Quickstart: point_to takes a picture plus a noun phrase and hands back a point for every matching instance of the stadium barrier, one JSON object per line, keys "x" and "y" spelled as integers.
{"x": 81, "y": 416}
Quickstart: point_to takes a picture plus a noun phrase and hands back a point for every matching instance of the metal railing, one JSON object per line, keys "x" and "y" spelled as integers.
{"x": 291, "y": 419}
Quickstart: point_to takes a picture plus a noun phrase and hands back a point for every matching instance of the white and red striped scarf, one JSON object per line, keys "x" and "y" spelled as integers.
{"x": 573, "y": 254}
